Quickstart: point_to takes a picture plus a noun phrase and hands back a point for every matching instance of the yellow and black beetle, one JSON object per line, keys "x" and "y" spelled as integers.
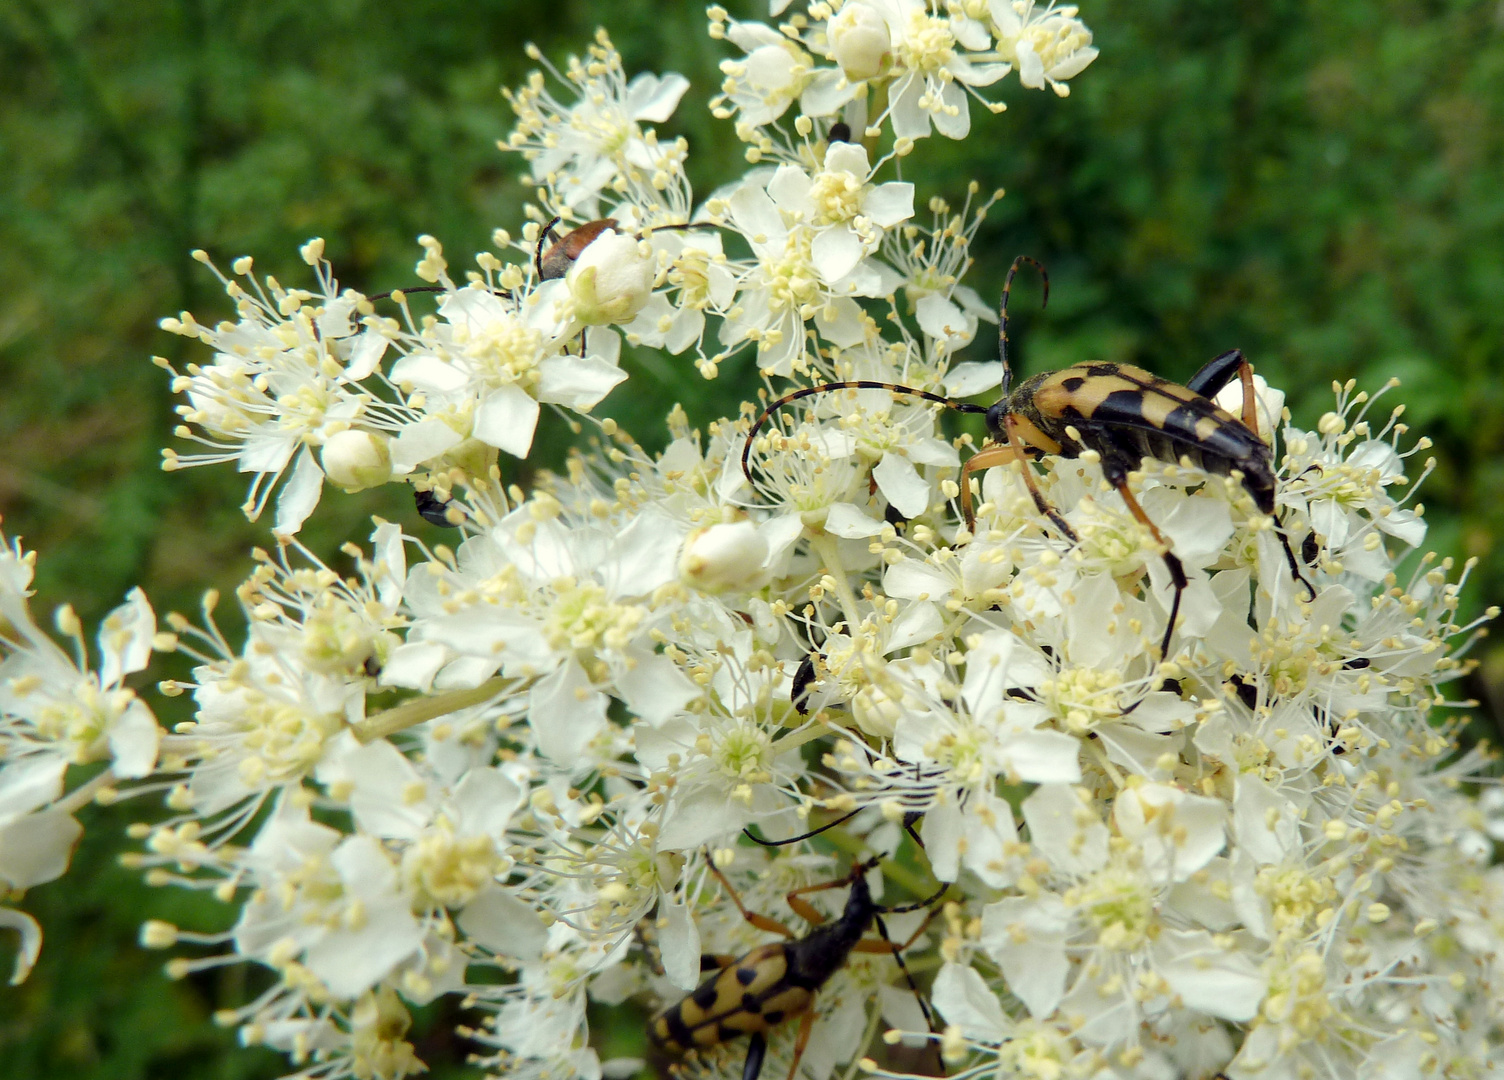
{"x": 772, "y": 984}
{"x": 1122, "y": 413}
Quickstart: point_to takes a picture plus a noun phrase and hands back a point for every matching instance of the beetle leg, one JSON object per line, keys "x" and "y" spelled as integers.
{"x": 1250, "y": 399}
{"x": 1284, "y": 539}
{"x": 757, "y": 1048}
{"x": 1172, "y": 563}
{"x": 762, "y": 922}
{"x": 1218, "y": 372}
{"x": 897, "y": 950}
{"x": 986, "y": 458}
{"x": 803, "y": 908}
{"x": 806, "y": 1023}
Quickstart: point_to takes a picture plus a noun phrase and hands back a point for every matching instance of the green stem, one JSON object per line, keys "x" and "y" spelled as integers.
{"x": 911, "y": 882}
{"x": 401, "y": 717}
{"x": 829, "y": 550}
{"x": 84, "y": 794}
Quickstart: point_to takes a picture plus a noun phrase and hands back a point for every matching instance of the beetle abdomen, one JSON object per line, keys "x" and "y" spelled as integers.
{"x": 752, "y": 994}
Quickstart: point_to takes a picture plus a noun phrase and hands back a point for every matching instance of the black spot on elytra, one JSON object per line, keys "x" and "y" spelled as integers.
{"x": 1101, "y": 370}
{"x": 1247, "y": 693}
{"x": 705, "y": 996}
{"x": 746, "y": 976}
{"x": 1122, "y": 405}
{"x": 751, "y": 1004}
{"x": 1074, "y": 383}
{"x": 774, "y": 1017}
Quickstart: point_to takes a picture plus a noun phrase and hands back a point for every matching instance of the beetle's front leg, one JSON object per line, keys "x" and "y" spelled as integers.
{"x": 993, "y": 456}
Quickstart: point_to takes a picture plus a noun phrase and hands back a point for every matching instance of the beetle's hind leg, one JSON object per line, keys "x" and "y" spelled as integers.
{"x": 1218, "y": 372}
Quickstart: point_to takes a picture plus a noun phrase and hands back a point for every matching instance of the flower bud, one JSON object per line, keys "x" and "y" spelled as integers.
{"x": 875, "y": 712}
{"x": 357, "y": 459}
{"x": 724, "y": 558}
{"x": 859, "y": 42}
{"x": 610, "y": 281}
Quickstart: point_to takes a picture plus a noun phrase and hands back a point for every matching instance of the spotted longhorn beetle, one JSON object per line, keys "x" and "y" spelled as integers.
{"x": 751, "y": 994}
{"x": 1122, "y": 413}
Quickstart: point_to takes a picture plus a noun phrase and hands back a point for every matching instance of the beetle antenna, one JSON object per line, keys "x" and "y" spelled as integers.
{"x": 426, "y": 289}
{"x": 543, "y": 237}
{"x": 926, "y": 902}
{"x": 825, "y": 388}
{"x": 1002, "y": 311}
{"x": 805, "y": 836}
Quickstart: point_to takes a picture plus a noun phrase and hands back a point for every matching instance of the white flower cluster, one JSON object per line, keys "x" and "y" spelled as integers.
{"x": 519, "y": 768}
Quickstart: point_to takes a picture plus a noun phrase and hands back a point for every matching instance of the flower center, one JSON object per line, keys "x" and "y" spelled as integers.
{"x": 503, "y": 351}
{"x": 581, "y": 617}
{"x": 928, "y": 46}
{"x": 837, "y": 196}
{"x": 1082, "y": 698}
{"x": 793, "y": 280}
{"x": 449, "y": 871}
{"x": 283, "y": 741}
{"x": 1119, "y": 906}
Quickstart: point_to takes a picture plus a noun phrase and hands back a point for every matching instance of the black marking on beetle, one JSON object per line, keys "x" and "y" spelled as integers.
{"x": 1310, "y": 549}
{"x": 793, "y": 971}
{"x": 804, "y": 678}
{"x": 433, "y": 509}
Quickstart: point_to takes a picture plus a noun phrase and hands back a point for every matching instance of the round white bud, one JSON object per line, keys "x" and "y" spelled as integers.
{"x": 875, "y": 712}
{"x": 859, "y": 42}
{"x": 357, "y": 459}
{"x": 724, "y": 558}
{"x": 610, "y": 281}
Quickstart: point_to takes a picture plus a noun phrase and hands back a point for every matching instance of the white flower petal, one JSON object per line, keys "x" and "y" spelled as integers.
{"x": 836, "y": 251}
{"x": 654, "y": 98}
{"x": 962, "y": 997}
{"x": 37, "y": 848}
{"x": 678, "y": 943}
{"x": 299, "y": 495}
{"x": 1216, "y": 981}
{"x": 903, "y": 487}
{"x": 504, "y": 924}
{"x": 506, "y": 419}
{"x": 420, "y": 442}
{"x": 30, "y": 946}
{"x": 1027, "y": 939}
{"x": 578, "y": 381}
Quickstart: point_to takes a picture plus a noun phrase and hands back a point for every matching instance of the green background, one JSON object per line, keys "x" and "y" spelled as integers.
{"x": 1317, "y": 184}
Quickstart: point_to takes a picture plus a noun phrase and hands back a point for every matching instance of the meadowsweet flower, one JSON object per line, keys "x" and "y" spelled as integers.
{"x": 516, "y": 767}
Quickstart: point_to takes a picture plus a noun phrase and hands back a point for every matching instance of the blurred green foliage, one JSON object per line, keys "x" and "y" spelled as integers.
{"x": 1317, "y": 184}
